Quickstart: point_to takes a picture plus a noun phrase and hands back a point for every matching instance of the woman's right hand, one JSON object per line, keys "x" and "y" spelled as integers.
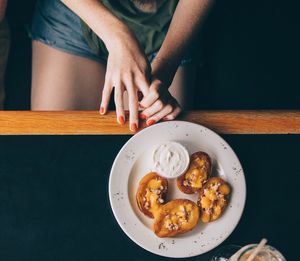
{"x": 127, "y": 69}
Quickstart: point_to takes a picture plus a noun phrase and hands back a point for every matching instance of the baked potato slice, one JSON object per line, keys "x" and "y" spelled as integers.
{"x": 176, "y": 217}
{"x": 151, "y": 193}
{"x": 198, "y": 172}
{"x": 213, "y": 199}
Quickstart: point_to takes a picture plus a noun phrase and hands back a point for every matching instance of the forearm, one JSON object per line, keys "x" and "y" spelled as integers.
{"x": 187, "y": 19}
{"x": 3, "y": 4}
{"x": 107, "y": 26}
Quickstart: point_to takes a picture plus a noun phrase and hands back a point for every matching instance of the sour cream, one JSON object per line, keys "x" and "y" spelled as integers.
{"x": 170, "y": 159}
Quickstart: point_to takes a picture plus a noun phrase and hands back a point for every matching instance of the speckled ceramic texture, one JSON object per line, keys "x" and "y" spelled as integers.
{"x": 134, "y": 161}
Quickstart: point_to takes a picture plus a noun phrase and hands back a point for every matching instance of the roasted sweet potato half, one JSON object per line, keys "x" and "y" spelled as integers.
{"x": 198, "y": 172}
{"x": 176, "y": 217}
{"x": 151, "y": 193}
{"x": 213, "y": 199}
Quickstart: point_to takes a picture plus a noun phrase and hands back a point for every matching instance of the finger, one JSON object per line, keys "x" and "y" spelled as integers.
{"x": 119, "y": 90}
{"x": 153, "y": 109}
{"x": 173, "y": 114}
{"x": 143, "y": 85}
{"x": 160, "y": 115}
{"x": 151, "y": 98}
{"x": 133, "y": 107}
{"x": 107, "y": 89}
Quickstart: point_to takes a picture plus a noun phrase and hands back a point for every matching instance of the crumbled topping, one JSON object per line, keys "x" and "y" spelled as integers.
{"x": 216, "y": 186}
{"x": 186, "y": 183}
{"x": 156, "y": 191}
{"x": 161, "y": 201}
{"x": 171, "y": 226}
{"x": 147, "y": 205}
{"x": 220, "y": 195}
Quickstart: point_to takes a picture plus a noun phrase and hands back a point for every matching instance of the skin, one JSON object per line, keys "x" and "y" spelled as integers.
{"x": 3, "y": 4}
{"x": 79, "y": 81}
{"x": 127, "y": 67}
{"x": 159, "y": 102}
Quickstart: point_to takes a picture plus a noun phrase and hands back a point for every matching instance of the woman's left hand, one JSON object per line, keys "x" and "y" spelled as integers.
{"x": 159, "y": 104}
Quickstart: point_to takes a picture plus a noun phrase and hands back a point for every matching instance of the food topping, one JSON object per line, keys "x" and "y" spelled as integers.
{"x": 213, "y": 199}
{"x": 176, "y": 217}
{"x": 153, "y": 196}
{"x": 151, "y": 193}
{"x": 197, "y": 173}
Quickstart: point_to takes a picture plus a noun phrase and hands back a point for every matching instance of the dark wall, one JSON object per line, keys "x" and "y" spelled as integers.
{"x": 18, "y": 74}
{"x": 251, "y": 56}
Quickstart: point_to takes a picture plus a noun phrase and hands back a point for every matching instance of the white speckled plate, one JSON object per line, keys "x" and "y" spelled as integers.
{"x": 134, "y": 161}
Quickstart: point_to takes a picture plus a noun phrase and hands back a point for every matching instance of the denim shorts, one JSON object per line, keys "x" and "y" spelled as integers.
{"x": 55, "y": 25}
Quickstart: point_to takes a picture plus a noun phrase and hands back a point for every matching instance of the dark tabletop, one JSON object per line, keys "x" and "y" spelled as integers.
{"x": 54, "y": 197}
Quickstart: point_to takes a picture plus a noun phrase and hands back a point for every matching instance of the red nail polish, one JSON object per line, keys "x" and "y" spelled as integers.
{"x": 101, "y": 110}
{"x": 121, "y": 120}
{"x": 150, "y": 122}
{"x": 133, "y": 127}
{"x": 143, "y": 116}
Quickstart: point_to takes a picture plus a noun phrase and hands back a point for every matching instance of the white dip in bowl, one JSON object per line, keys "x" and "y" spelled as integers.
{"x": 170, "y": 159}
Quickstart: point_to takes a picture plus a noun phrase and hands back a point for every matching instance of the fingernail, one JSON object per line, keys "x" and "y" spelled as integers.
{"x": 165, "y": 118}
{"x": 143, "y": 116}
{"x": 101, "y": 110}
{"x": 133, "y": 127}
{"x": 150, "y": 122}
{"x": 121, "y": 120}
{"x": 141, "y": 106}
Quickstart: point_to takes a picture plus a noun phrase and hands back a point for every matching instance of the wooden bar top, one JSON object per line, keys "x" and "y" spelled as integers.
{"x": 91, "y": 123}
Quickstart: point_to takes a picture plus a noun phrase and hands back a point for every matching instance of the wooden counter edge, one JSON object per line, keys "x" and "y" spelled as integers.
{"x": 91, "y": 123}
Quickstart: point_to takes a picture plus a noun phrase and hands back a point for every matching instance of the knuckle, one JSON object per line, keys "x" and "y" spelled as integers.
{"x": 128, "y": 77}
{"x": 169, "y": 108}
{"x": 118, "y": 94}
{"x": 155, "y": 94}
{"x": 133, "y": 119}
{"x": 171, "y": 117}
{"x": 155, "y": 86}
{"x": 104, "y": 93}
{"x": 160, "y": 104}
{"x": 132, "y": 99}
{"x": 158, "y": 82}
{"x": 141, "y": 79}
{"x": 107, "y": 87}
{"x": 144, "y": 67}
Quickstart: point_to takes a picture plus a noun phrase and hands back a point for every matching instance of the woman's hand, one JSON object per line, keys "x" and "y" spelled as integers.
{"x": 127, "y": 69}
{"x": 159, "y": 104}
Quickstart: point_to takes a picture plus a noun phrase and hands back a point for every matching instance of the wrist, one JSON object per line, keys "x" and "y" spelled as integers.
{"x": 119, "y": 39}
{"x": 164, "y": 70}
